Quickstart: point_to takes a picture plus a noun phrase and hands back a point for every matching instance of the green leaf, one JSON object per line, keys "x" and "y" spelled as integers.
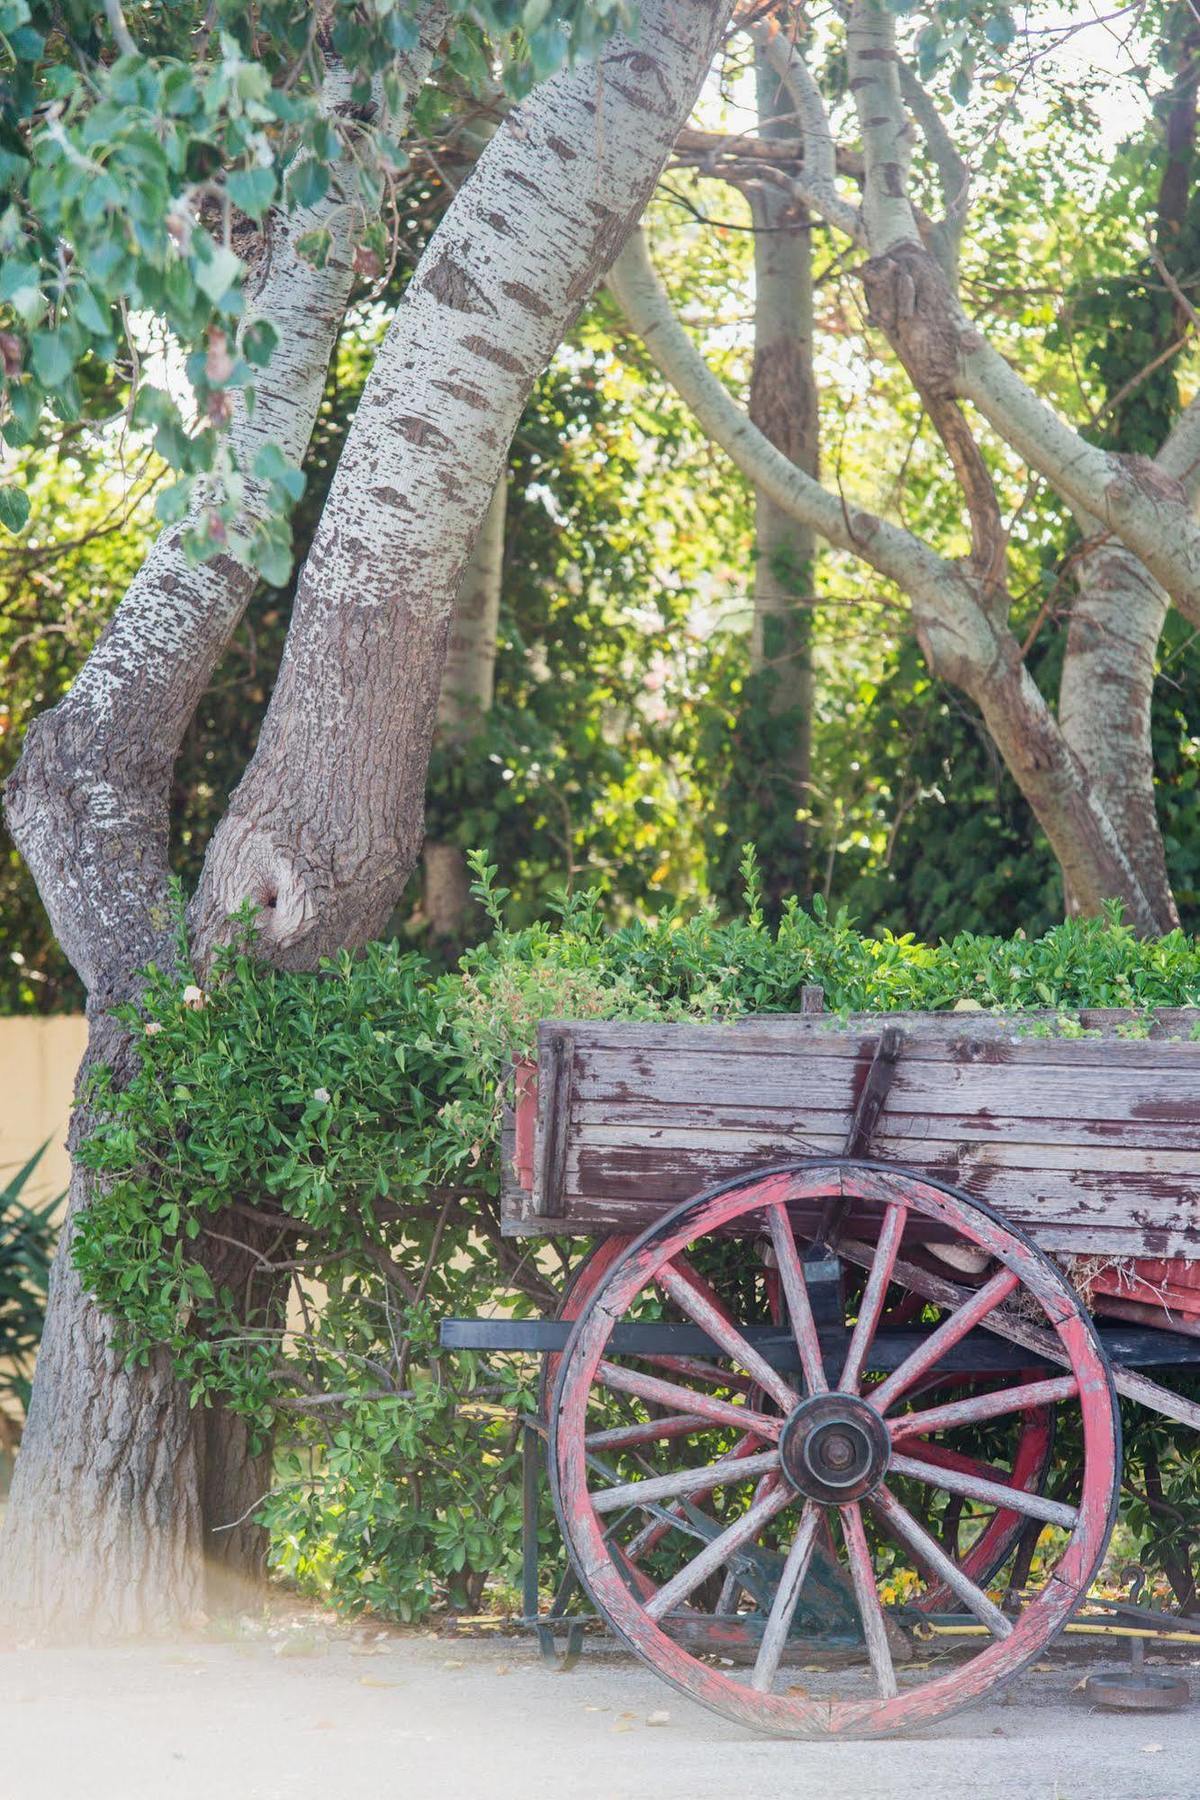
{"x": 52, "y": 359}
{"x": 252, "y": 190}
{"x": 308, "y": 181}
{"x": 218, "y": 273}
{"x": 14, "y": 508}
{"x": 258, "y": 342}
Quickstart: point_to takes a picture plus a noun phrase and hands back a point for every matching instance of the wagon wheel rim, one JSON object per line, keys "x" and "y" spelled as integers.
{"x": 587, "y": 1277}
{"x": 986, "y": 1555}
{"x": 838, "y": 1447}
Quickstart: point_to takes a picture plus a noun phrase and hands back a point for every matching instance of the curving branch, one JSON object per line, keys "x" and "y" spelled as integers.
{"x": 961, "y": 642}
{"x": 1147, "y": 504}
{"x": 954, "y": 176}
{"x": 893, "y": 552}
{"x": 816, "y": 186}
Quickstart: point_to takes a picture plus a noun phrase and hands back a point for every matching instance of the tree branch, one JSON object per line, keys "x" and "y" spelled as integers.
{"x": 328, "y": 820}
{"x": 958, "y": 638}
{"x": 883, "y": 123}
{"x": 817, "y": 183}
{"x": 122, "y": 36}
{"x": 954, "y": 177}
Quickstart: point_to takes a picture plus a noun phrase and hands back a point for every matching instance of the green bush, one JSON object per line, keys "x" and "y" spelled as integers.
{"x": 347, "y": 1123}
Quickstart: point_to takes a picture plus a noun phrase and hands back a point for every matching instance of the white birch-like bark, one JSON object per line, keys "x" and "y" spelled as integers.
{"x": 960, "y": 636}
{"x": 327, "y": 823}
{"x": 817, "y": 184}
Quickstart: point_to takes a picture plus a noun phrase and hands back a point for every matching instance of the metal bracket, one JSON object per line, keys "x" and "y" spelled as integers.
{"x": 561, "y": 1661}
{"x": 874, "y": 1093}
{"x": 869, "y": 1105}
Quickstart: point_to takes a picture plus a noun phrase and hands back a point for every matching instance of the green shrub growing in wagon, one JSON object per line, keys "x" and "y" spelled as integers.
{"x": 302, "y": 1176}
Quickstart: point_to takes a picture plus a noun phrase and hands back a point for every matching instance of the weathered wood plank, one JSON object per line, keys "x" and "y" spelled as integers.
{"x": 1125, "y": 1197}
{"x": 1094, "y": 1144}
{"x": 926, "y": 1034}
{"x": 901, "y": 1138}
{"x": 556, "y": 1064}
{"x": 798, "y": 1085}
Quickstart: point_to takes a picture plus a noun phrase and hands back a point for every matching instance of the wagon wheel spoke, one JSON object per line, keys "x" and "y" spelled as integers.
{"x": 650, "y": 1431}
{"x": 662, "y": 1519}
{"x": 950, "y": 1332}
{"x": 941, "y": 1456}
{"x": 976, "y": 1487}
{"x": 1025, "y": 1398}
{"x": 720, "y": 1549}
{"x": 862, "y": 1574}
{"x": 685, "y": 1481}
{"x": 669, "y": 1393}
{"x": 874, "y": 1294}
{"x": 697, "y": 1370}
{"x": 902, "y": 1525}
{"x": 787, "y": 1596}
{"x": 795, "y": 1290}
{"x": 701, "y": 1310}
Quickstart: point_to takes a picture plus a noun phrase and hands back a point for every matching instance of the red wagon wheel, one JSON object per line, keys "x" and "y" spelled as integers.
{"x": 850, "y": 1451}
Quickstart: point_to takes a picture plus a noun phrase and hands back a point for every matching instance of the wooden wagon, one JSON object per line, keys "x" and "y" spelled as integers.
{"x": 832, "y": 1407}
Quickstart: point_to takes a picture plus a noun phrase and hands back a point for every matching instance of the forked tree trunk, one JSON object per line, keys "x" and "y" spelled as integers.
{"x": 104, "y": 1523}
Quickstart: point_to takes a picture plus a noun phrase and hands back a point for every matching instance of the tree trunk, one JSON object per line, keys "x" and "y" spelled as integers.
{"x": 104, "y": 1528}
{"x": 327, "y": 825}
{"x": 783, "y": 404}
{"x": 1104, "y": 706}
{"x": 467, "y": 691}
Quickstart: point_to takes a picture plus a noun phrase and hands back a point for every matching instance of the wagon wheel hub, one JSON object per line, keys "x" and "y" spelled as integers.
{"x": 835, "y": 1448}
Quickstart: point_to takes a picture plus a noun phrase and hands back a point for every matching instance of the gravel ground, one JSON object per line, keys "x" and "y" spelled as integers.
{"x": 309, "y": 1714}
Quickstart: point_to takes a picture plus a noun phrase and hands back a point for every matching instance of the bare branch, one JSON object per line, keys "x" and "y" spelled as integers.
{"x": 817, "y": 183}
{"x": 122, "y": 36}
{"x": 954, "y": 177}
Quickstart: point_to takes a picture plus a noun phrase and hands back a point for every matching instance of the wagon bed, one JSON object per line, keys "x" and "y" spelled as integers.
{"x": 1092, "y": 1144}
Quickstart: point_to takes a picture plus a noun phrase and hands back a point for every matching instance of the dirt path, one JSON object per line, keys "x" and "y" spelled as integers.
{"x": 430, "y": 1719}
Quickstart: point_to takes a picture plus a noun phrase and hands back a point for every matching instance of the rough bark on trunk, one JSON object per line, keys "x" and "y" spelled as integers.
{"x": 467, "y": 691}
{"x": 1106, "y": 691}
{"x": 327, "y": 824}
{"x": 104, "y": 1518}
{"x": 106, "y": 1530}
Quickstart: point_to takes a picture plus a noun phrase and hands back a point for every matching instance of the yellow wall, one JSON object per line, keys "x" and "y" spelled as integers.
{"x": 38, "y": 1060}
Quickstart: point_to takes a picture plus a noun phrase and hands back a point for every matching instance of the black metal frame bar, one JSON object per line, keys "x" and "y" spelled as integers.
{"x": 980, "y": 1353}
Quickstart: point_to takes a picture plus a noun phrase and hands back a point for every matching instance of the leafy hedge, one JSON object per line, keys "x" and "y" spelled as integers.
{"x": 347, "y": 1124}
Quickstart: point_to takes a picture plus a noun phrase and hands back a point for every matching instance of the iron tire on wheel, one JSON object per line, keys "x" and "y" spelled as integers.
{"x": 818, "y": 1465}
